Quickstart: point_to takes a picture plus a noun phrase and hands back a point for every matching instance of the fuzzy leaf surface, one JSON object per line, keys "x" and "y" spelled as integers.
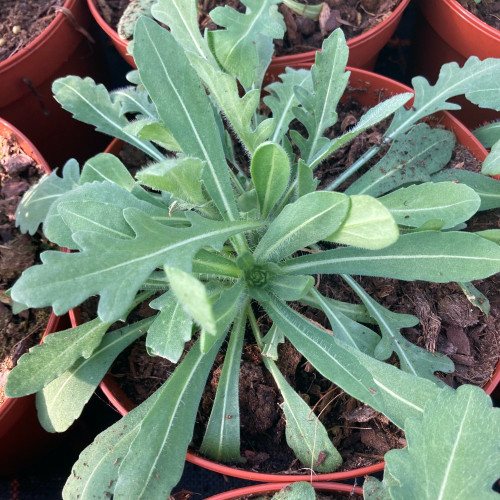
{"x": 45, "y": 362}
{"x": 346, "y": 329}
{"x": 290, "y": 287}
{"x": 412, "y": 359}
{"x": 236, "y": 48}
{"x": 183, "y": 107}
{"x": 180, "y": 177}
{"x": 448, "y": 457}
{"x": 491, "y": 166}
{"x": 304, "y": 432}
{"x": 411, "y": 158}
{"x": 96, "y": 207}
{"x": 487, "y": 188}
{"x": 92, "y": 104}
{"x": 318, "y": 107}
{"x": 311, "y": 218}
{"x": 270, "y": 171}
{"x": 116, "y": 268}
{"x": 238, "y": 110}
{"x": 270, "y": 342}
{"x": 368, "y": 225}
{"x": 134, "y": 100}
{"x": 477, "y": 80}
{"x": 36, "y": 202}
{"x": 61, "y": 402}
{"x": 171, "y": 328}
{"x": 427, "y": 255}
{"x": 488, "y": 134}
{"x": 154, "y": 462}
{"x": 296, "y": 491}
{"x": 415, "y": 205}
{"x": 222, "y": 436}
{"x": 107, "y": 167}
{"x": 282, "y": 99}
{"x": 151, "y": 130}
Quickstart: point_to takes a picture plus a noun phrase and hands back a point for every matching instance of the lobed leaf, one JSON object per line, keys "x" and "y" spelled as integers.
{"x": 107, "y": 167}
{"x": 151, "y": 130}
{"x": 36, "y": 202}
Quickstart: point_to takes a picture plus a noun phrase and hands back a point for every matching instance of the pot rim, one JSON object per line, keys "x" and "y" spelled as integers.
{"x": 291, "y": 58}
{"x": 470, "y": 18}
{"x": 271, "y": 488}
{"x": 47, "y": 33}
{"x": 118, "y": 399}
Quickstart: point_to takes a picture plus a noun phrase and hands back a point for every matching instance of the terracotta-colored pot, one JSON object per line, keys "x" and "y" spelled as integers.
{"x": 363, "y": 49}
{"x": 267, "y": 489}
{"x": 447, "y": 32}
{"x": 26, "y": 101}
{"x": 368, "y": 88}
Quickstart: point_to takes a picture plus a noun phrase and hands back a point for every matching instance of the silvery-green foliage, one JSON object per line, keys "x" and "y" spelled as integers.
{"x": 213, "y": 239}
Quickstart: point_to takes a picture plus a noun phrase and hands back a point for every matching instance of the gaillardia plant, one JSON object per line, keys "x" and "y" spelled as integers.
{"x": 213, "y": 241}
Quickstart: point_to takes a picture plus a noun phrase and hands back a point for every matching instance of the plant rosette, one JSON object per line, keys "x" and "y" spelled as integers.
{"x": 367, "y": 87}
{"x": 449, "y": 32}
{"x": 215, "y": 242}
{"x": 363, "y": 49}
{"x": 291, "y": 491}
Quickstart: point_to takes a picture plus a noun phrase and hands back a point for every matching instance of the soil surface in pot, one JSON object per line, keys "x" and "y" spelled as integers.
{"x": 448, "y": 324}
{"x": 302, "y": 34}
{"x": 487, "y": 11}
{"x": 21, "y": 21}
{"x": 18, "y": 332}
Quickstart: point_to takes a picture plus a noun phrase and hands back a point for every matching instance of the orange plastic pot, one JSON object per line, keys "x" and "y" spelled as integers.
{"x": 363, "y": 49}
{"x": 267, "y": 489}
{"x": 447, "y": 32}
{"x": 26, "y": 101}
{"x": 368, "y": 88}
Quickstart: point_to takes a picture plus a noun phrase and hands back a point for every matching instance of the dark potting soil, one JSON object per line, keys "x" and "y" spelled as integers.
{"x": 17, "y": 252}
{"x": 448, "y": 324}
{"x": 302, "y": 34}
{"x": 21, "y": 21}
{"x": 487, "y": 11}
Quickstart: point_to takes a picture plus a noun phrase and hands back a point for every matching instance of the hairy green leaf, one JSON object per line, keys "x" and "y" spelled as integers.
{"x": 368, "y": 225}
{"x": 92, "y": 104}
{"x": 491, "y": 166}
{"x": 477, "y": 80}
{"x": 412, "y": 359}
{"x": 150, "y": 130}
{"x": 304, "y": 432}
{"x": 270, "y": 342}
{"x": 318, "y": 107}
{"x": 183, "y": 107}
{"x": 180, "y": 177}
{"x": 311, "y": 218}
{"x": 171, "y": 328}
{"x": 290, "y": 287}
{"x": 45, "y": 362}
{"x": 222, "y": 436}
{"x": 487, "y": 188}
{"x": 448, "y": 456}
{"x": 36, "y": 202}
{"x": 236, "y": 47}
{"x": 282, "y": 99}
{"x": 62, "y": 401}
{"x": 238, "y": 110}
{"x": 475, "y": 297}
{"x": 488, "y": 134}
{"x": 446, "y": 201}
{"x": 427, "y": 255}
{"x": 296, "y": 491}
{"x": 165, "y": 431}
{"x": 107, "y": 167}
{"x": 270, "y": 170}
{"x": 116, "y": 268}
{"x": 135, "y": 100}
{"x": 411, "y": 158}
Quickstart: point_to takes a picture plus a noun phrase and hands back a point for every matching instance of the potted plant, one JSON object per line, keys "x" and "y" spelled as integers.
{"x": 447, "y": 31}
{"x": 63, "y": 47}
{"x": 217, "y": 243}
{"x": 363, "y": 48}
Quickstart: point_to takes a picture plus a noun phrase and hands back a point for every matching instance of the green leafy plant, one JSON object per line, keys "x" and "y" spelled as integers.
{"x": 214, "y": 241}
